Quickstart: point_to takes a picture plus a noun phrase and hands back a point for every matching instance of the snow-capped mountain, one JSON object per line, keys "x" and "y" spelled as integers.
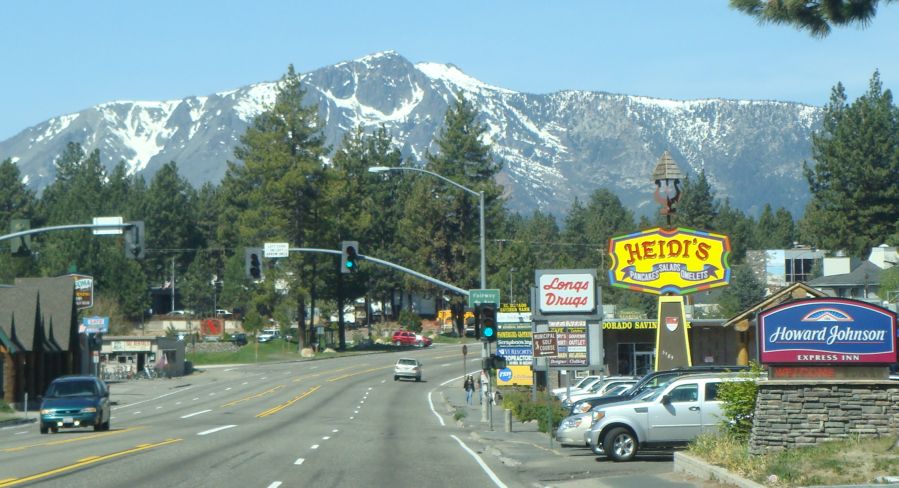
{"x": 554, "y": 147}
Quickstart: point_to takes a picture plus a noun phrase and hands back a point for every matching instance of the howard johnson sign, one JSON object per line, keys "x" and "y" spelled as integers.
{"x": 827, "y": 330}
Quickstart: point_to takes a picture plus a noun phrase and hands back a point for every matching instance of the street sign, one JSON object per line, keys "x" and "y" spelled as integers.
{"x": 276, "y": 249}
{"x": 476, "y": 297}
{"x": 545, "y": 344}
{"x": 107, "y": 231}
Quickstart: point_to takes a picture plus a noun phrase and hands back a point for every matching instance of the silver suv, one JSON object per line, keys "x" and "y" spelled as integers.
{"x": 407, "y": 368}
{"x": 670, "y": 416}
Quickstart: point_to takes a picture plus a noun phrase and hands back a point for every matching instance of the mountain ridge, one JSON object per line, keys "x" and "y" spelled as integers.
{"x": 554, "y": 146}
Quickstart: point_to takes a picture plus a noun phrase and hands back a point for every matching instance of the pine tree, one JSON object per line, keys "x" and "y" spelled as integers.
{"x": 815, "y": 16}
{"x": 855, "y": 199}
{"x": 16, "y": 202}
{"x": 697, "y": 208}
{"x": 744, "y": 291}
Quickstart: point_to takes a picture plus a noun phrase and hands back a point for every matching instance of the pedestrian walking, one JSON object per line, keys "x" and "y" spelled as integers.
{"x": 469, "y": 388}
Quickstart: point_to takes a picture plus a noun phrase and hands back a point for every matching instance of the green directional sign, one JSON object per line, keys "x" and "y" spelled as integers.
{"x": 476, "y": 297}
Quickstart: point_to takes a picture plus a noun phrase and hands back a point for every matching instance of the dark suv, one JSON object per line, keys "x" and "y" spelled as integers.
{"x": 73, "y": 402}
{"x": 652, "y": 381}
{"x": 239, "y": 339}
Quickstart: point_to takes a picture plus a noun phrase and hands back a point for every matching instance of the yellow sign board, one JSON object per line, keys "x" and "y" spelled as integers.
{"x": 678, "y": 261}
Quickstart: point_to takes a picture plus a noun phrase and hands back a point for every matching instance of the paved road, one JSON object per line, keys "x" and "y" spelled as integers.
{"x": 334, "y": 423}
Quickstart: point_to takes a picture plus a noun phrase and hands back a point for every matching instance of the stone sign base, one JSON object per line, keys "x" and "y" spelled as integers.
{"x": 807, "y": 412}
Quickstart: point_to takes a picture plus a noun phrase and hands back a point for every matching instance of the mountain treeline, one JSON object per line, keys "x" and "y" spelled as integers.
{"x": 286, "y": 185}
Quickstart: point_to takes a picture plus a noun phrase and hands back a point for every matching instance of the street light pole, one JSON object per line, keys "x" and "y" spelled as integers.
{"x": 480, "y": 195}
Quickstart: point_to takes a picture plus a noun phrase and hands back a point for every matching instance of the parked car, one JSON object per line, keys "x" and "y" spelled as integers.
{"x": 409, "y": 338}
{"x": 75, "y": 402}
{"x": 268, "y": 335}
{"x": 583, "y": 382}
{"x": 671, "y": 416}
{"x": 239, "y": 339}
{"x": 657, "y": 379}
{"x": 220, "y": 312}
{"x": 407, "y": 368}
{"x": 596, "y": 390}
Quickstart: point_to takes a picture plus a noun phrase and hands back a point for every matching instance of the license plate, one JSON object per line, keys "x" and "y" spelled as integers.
{"x": 67, "y": 420}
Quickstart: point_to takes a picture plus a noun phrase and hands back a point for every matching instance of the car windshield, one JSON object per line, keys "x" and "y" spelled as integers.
{"x": 71, "y": 389}
{"x": 407, "y": 362}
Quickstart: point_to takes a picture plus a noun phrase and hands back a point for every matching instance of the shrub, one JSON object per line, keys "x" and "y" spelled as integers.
{"x": 4, "y": 407}
{"x": 524, "y": 409}
{"x": 738, "y": 403}
{"x": 410, "y": 321}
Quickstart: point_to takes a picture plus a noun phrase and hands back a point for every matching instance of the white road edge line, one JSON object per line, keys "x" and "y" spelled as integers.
{"x": 431, "y": 403}
{"x": 195, "y": 413}
{"x": 481, "y": 462}
{"x": 210, "y": 431}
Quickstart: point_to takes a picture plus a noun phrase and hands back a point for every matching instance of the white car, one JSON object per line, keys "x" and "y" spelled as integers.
{"x": 584, "y": 382}
{"x": 407, "y": 368}
{"x": 598, "y": 389}
{"x": 670, "y": 416}
{"x": 268, "y": 335}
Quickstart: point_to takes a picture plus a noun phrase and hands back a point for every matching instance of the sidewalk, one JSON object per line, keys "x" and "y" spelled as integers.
{"x": 540, "y": 461}
{"x": 17, "y": 418}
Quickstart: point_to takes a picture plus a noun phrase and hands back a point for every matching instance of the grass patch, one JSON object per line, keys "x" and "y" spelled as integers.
{"x": 5, "y": 408}
{"x": 449, "y": 339}
{"x": 460, "y": 414}
{"x": 849, "y": 461}
{"x": 268, "y": 351}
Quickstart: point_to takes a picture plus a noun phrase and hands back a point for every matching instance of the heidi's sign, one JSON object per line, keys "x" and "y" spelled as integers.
{"x": 561, "y": 292}
{"x": 827, "y": 330}
{"x": 678, "y": 261}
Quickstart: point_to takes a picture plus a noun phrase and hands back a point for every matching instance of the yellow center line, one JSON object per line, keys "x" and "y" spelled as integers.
{"x": 357, "y": 373}
{"x": 288, "y": 403}
{"x": 84, "y": 462}
{"x": 325, "y": 372}
{"x": 270, "y": 390}
{"x": 447, "y": 356}
{"x": 72, "y": 439}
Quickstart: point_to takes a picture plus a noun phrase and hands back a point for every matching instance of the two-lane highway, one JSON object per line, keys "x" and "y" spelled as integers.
{"x": 339, "y": 422}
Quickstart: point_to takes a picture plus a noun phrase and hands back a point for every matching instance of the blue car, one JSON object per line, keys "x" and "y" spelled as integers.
{"x": 75, "y": 402}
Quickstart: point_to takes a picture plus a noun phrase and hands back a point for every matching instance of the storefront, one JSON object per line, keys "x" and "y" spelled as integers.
{"x": 123, "y": 357}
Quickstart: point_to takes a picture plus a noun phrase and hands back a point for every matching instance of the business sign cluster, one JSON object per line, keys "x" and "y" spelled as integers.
{"x": 571, "y": 344}
{"x": 513, "y": 342}
{"x": 827, "y": 330}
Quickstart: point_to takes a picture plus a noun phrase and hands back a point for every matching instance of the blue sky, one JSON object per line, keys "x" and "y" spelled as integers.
{"x": 61, "y": 57}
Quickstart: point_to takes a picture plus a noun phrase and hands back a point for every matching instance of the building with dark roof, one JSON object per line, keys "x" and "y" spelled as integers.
{"x": 38, "y": 336}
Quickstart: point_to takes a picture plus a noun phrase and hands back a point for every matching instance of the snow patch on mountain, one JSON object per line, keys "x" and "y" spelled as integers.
{"x": 454, "y": 76}
{"x": 55, "y": 126}
{"x": 254, "y": 100}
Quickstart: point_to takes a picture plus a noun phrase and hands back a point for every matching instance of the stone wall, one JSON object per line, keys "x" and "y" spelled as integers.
{"x": 798, "y": 413}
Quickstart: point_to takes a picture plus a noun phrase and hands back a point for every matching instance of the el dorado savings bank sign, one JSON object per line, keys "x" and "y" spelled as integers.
{"x": 678, "y": 261}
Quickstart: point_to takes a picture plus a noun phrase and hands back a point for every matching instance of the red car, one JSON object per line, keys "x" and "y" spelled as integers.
{"x": 409, "y": 338}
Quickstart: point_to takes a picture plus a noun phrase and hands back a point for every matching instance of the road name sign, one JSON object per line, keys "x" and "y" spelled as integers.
{"x": 477, "y": 297}
{"x": 107, "y": 221}
{"x": 276, "y": 249}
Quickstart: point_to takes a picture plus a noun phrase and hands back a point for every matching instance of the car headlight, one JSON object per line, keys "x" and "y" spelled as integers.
{"x": 572, "y": 423}
{"x": 598, "y": 415}
{"x": 89, "y": 410}
{"x": 46, "y": 411}
{"x": 584, "y": 408}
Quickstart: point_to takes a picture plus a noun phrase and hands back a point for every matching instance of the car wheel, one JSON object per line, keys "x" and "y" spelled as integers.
{"x": 620, "y": 444}
{"x": 418, "y": 378}
{"x": 397, "y": 343}
{"x": 44, "y": 429}
{"x": 396, "y": 378}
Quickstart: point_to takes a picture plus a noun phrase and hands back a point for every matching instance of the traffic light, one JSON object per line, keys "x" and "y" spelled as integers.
{"x": 488, "y": 322}
{"x": 20, "y": 246}
{"x": 134, "y": 240}
{"x": 349, "y": 256}
{"x": 253, "y": 262}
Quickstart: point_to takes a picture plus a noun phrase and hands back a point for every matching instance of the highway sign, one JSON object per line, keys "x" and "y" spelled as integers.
{"x": 276, "y": 249}
{"x": 107, "y": 221}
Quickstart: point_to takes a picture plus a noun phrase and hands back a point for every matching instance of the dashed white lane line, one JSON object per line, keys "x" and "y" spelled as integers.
{"x": 245, "y": 382}
{"x": 326, "y": 438}
{"x": 351, "y": 418}
{"x": 20, "y": 433}
{"x": 195, "y": 413}
{"x": 211, "y": 431}
{"x": 177, "y": 403}
{"x": 335, "y": 431}
{"x": 159, "y": 407}
{"x": 431, "y": 404}
{"x": 356, "y": 412}
{"x": 445, "y": 365}
{"x": 195, "y": 399}
{"x": 483, "y": 465}
{"x": 137, "y": 413}
{"x": 299, "y": 461}
{"x": 151, "y": 399}
{"x": 212, "y": 394}
{"x": 275, "y": 484}
{"x": 314, "y": 446}
{"x": 226, "y": 389}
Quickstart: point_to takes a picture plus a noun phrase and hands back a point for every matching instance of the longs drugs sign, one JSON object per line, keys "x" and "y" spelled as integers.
{"x": 827, "y": 330}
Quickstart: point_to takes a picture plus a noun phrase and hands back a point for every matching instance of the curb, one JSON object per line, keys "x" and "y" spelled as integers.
{"x": 692, "y": 465}
{"x": 19, "y": 421}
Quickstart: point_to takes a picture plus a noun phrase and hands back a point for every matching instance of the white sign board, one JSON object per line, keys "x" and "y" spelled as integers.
{"x": 105, "y": 221}
{"x": 566, "y": 293}
{"x": 276, "y": 249}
